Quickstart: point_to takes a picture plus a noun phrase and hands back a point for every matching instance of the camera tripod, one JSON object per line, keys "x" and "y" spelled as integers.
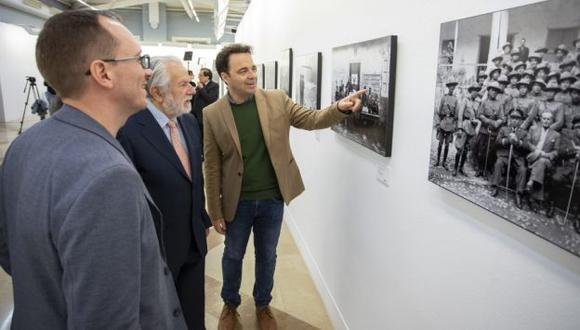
{"x": 31, "y": 87}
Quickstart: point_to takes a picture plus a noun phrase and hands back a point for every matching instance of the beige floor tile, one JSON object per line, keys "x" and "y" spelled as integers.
{"x": 295, "y": 299}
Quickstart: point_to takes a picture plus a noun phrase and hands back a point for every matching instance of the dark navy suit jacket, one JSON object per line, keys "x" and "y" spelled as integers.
{"x": 181, "y": 200}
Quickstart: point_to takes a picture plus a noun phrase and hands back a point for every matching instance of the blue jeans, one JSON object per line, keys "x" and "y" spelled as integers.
{"x": 265, "y": 216}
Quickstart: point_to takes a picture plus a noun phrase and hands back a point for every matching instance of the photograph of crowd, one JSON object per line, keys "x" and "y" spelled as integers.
{"x": 506, "y": 133}
{"x": 307, "y": 80}
{"x": 285, "y": 71}
{"x": 271, "y": 75}
{"x": 367, "y": 65}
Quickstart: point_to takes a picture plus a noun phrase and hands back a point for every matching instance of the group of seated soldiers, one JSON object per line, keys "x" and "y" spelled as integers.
{"x": 512, "y": 118}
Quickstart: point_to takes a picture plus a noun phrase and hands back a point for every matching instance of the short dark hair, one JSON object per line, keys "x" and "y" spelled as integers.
{"x": 67, "y": 45}
{"x": 223, "y": 57}
{"x": 206, "y": 72}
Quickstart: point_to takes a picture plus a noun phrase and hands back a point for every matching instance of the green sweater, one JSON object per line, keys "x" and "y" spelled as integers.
{"x": 259, "y": 180}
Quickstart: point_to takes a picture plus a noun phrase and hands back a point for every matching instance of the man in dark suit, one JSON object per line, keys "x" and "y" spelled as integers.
{"x": 524, "y": 51}
{"x": 544, "y": 143}
{"x": 165, "y": 147}
{"x": 206, "y": 93}
{"x": 76, "y": 228}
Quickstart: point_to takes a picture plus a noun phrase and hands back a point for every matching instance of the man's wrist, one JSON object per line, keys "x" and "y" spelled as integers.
{"x": 346, "y": 112}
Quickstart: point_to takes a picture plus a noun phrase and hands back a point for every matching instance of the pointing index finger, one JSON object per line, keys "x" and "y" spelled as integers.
{"x": 359, "y": 93}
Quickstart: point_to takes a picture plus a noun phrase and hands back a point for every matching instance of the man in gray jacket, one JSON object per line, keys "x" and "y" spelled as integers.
{"x": 76, "y": 231}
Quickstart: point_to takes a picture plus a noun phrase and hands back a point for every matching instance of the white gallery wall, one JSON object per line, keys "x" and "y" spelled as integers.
{"x": 409, "y": 255}
{"x": 17, "y": 60}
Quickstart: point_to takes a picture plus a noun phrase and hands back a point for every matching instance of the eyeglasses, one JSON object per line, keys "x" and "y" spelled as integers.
{"x": 144, "y": 60}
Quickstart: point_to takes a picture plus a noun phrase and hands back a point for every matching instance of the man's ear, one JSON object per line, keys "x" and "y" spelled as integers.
{"x": 156, "y": 94}
{"x": 225, "y": 77}
{"x": 100, "y": 74}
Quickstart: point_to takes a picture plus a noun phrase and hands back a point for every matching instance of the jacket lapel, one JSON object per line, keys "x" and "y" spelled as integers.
{"x": 153, "y": 133}
{"x": 263, "y": 115}
{"x": 228, "y": 118}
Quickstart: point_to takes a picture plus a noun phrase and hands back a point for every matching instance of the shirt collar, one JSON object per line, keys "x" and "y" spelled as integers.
{"x": 159, "y": 116}
{"x": 232, "y": 102}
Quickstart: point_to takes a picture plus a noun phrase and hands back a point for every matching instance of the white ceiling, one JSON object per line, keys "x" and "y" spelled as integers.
{"x": 201, "y": 6}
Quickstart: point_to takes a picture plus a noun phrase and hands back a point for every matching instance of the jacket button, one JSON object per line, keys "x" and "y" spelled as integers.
{"x": 239, "y": 173}
{"x": 176, "y": 312}
{"x": 165, "y": 271}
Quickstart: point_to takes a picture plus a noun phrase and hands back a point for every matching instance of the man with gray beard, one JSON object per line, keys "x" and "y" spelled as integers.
{"x": 164, "y": 143}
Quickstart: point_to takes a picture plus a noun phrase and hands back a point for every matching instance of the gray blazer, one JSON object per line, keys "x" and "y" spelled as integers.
{"x": 77, "y": 234}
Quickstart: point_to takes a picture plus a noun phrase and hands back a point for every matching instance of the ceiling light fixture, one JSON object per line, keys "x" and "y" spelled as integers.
{"x": 86, "y": 4}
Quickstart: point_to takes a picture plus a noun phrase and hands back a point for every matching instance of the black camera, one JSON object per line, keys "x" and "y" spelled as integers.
{"x": 32, "y": 80}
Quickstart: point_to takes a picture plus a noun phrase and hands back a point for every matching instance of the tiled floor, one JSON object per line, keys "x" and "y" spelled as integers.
{"x": 296, "y": 302}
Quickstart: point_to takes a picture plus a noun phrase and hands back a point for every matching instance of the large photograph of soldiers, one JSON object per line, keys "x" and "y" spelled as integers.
{"x": 307, "y": 80}
{"x": 367, "y": 65}
{"x": 506, "y": 131}
{"x": 285, "y": 71}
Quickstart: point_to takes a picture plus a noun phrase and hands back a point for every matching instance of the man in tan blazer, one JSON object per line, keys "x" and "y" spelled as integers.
{"x": 250, "y": 172}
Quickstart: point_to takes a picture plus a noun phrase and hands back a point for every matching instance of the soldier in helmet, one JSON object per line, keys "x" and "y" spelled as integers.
{"x": 573, "y": 110}
{"x": 492, "y": 116}
{"x": 529, "y": 76}
{"x": 515, "y": 57}
{"x": 447, "y": 113}
{"x": 534, "y": 60}
{"x": 542, "y": 71}
{"x": 511, "y": 88}
{"x": 552, "y": 106}
{"x": 568, "y": 65}
{"x": 561, "y": 53}
{"x": 537, "y": 92}
{"x": 493, "y": 74}
{"x": 553, "y": 77}
{"x": 525, "y": 104}
{"x": 496, "y": 62}
{"x": 511, "y": 137}
{"x": 506, "y": 68}
{"x": 506, "y": 52}
{"x": 481, "y": 76}
{"x": 519, "y": 67}
{"x": 468, "y": 126}
{"x": 563, "y": 96}
{"x": 504, "y": 97}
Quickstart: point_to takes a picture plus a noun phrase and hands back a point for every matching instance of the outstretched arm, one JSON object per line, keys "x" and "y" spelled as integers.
{"x": 305, "y": 118}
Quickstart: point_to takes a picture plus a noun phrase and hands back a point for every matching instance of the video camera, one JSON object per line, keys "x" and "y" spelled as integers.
{"x": 31, "y": 79}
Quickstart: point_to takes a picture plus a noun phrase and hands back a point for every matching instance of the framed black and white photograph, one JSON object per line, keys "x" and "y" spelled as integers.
{"x": 506, "y": 118}
{"x": 285, "y": 71}
{"x": 367, "y": 65}
{"x": 271, "y": 75}
{"x": 260, "y": 75}
{"x": 307, "y": 80}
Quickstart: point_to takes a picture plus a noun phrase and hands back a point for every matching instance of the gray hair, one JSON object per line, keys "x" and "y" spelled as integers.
{"x": 160, "y": 76}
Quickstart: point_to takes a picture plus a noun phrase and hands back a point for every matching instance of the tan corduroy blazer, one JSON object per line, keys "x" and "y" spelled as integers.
{"x": 223, "y": 165}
